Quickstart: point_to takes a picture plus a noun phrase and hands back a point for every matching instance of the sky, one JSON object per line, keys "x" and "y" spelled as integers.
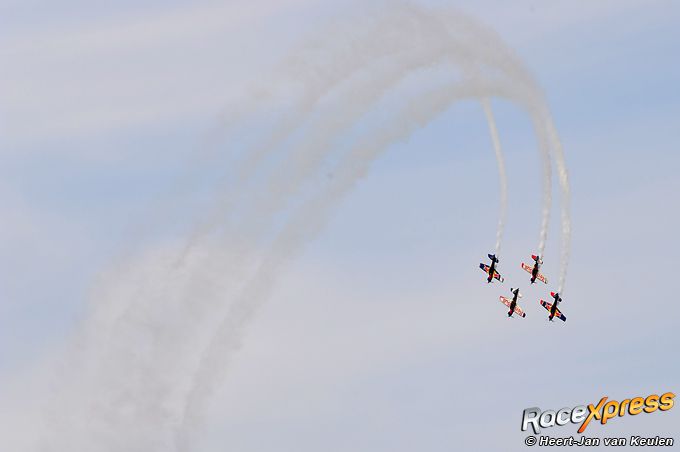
{"x": 381, "y": 335}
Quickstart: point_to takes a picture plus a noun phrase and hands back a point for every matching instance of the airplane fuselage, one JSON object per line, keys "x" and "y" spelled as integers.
{"x": 513, "y": 303}
{"x": 534, "y": 272}
{"x": 553, "y": 309}
{"x": 492, "y": 271}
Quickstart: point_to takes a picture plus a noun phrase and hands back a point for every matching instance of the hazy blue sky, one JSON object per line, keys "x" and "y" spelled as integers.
{"x": 383, "y": 335}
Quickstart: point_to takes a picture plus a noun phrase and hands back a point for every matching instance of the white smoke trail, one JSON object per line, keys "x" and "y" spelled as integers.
{"x": 420, "y": 33}
{"x": 389, "y": 36}
{"x": 502, "y": 176}
{"x": 167, "y": 344}
{"x": 307, "y": 223}
{"x": 565, "y": 201}
{"x": 395, "y": 44}
{"x": 429, "y": 51}
{"x": 243, "y": 309}
{"x": 111, "y": 377}
{"x": 544, "y": 147}
{"x": 315, "y": 81}
{"x": 231, "y": 322}
{"x": 525, "y": 86}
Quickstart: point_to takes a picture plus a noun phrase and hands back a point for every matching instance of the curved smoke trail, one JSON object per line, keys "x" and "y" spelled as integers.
{"x": 294, "y": 236}
{"x": 431, "y": 46}
{"x": 307, "y": 223}
{"x": 533, "y": 100}
{"x": 396, "y": 42}
{"x": 154, "y": 369}
{"x": 228, "y": 338}
{"x": 502, "y": 176}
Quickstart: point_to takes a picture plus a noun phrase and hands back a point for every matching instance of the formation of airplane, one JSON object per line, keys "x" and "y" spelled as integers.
{"x": 534, "y": 270}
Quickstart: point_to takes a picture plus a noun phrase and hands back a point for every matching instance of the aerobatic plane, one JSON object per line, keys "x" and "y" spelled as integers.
{"x": 512, "y": 304}
{"x": 552, "y": 308}
{"x": 534, "y": 270}
{"x": 490, "y": 270}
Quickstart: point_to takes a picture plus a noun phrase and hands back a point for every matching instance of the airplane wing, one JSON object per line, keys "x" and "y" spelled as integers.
{"x": 558, "y": 314}
{"x": 527, "y": 268}
{"x": 496, "y": 275}
{"x": 542, "y": 278}
{"x": 505, "y": 301}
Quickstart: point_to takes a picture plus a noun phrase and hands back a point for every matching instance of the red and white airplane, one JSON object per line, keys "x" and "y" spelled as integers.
{"x": 512, "y": 304}
{"x": 554, "y": 312}
{"x": 534, "y": 270}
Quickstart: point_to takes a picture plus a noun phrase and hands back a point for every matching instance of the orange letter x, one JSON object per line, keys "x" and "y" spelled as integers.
{"x": 594, "y": 413}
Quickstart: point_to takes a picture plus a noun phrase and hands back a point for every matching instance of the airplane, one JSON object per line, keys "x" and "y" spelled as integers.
{"x": 512, "y": 304}
{"x": 554, "y": 312}
{"x": 534, "y": 270}
{"x": 491, "y": 270}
